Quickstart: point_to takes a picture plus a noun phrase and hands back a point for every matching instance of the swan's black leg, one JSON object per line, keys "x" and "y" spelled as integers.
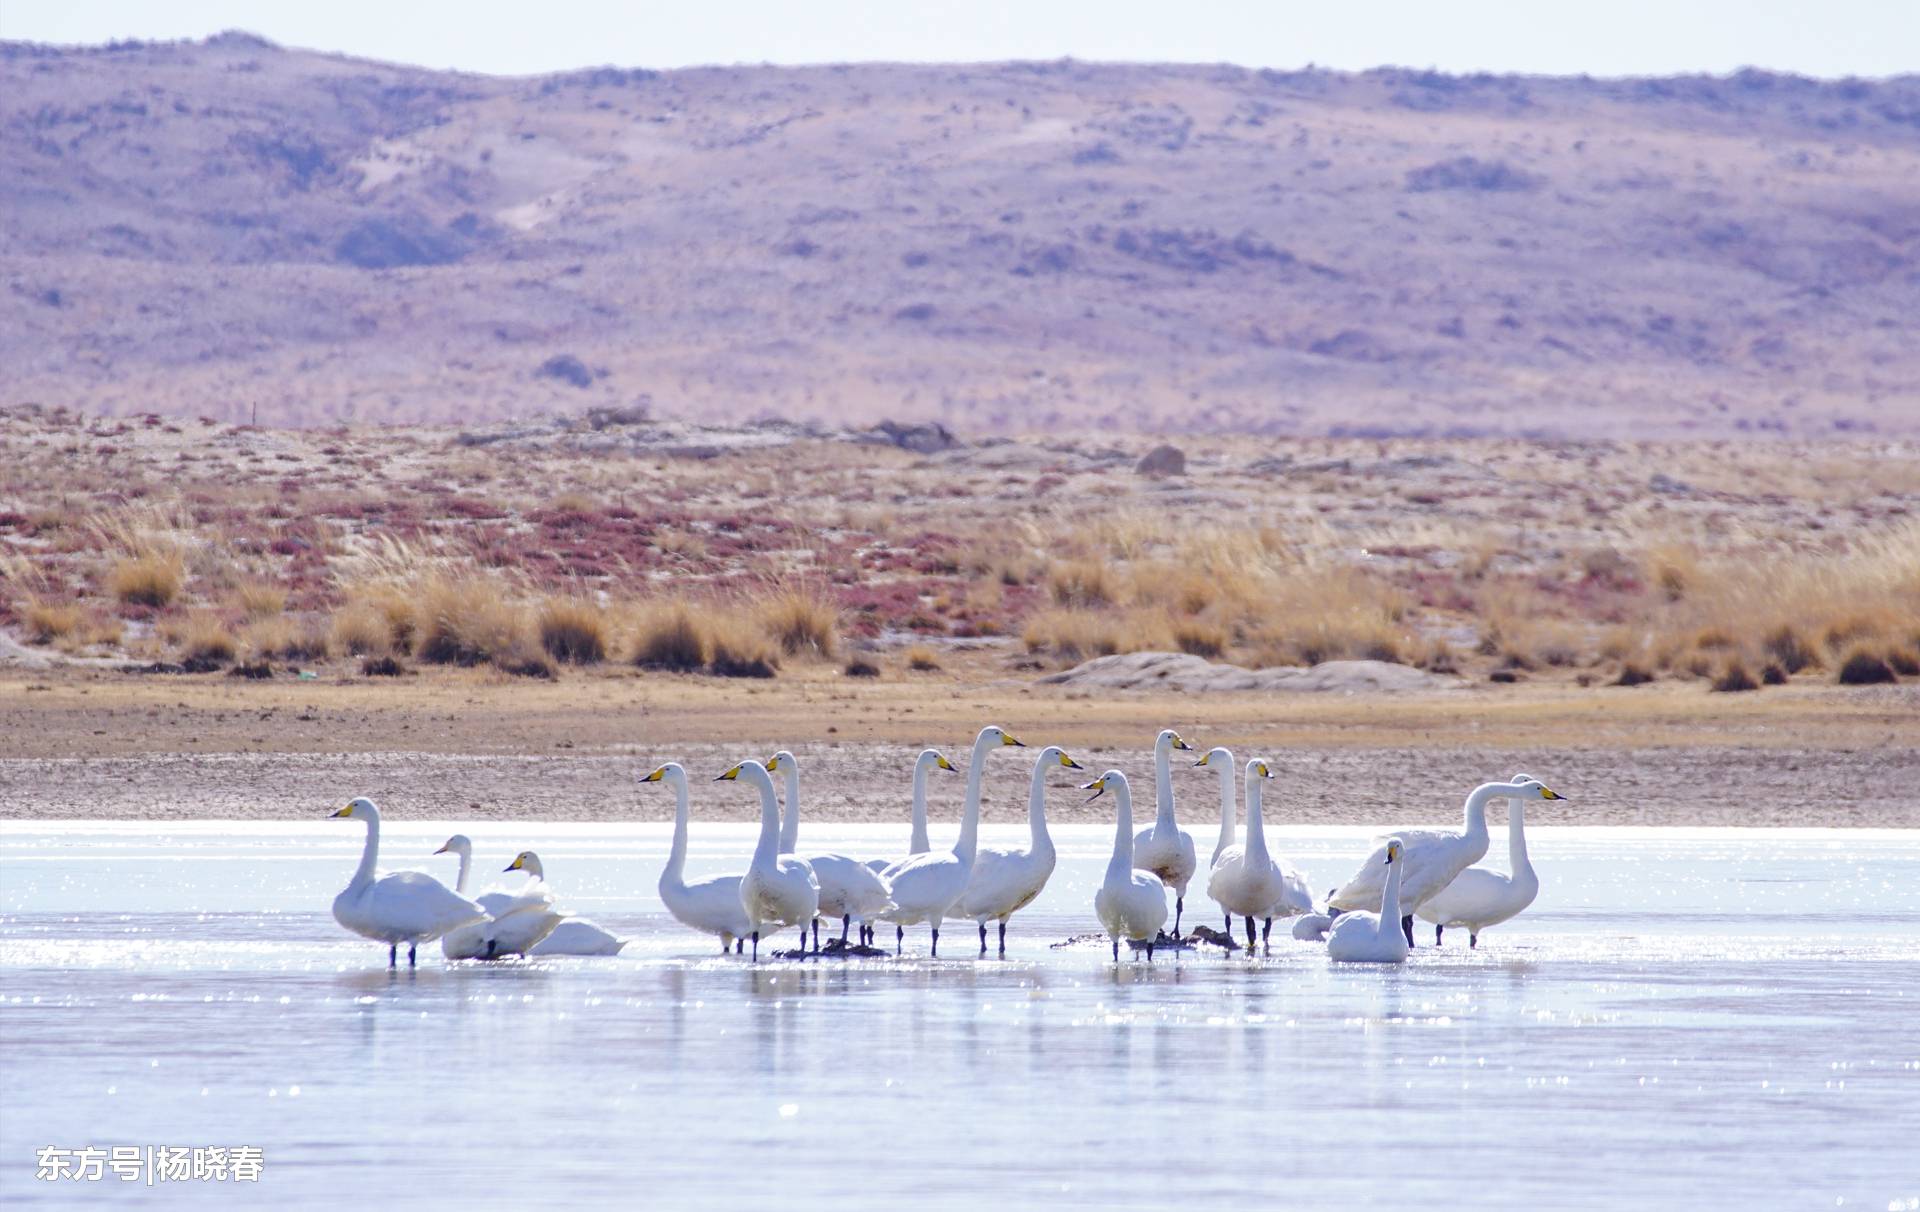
{"x": 756, "y": 946}
{"x": 983, "y": 938}
{"x": 1266, "y": 932}
{"x": 739, "y": 945}
{"x": 393, "y": 955}
{"x": 724, "y": 946}
{"x": 936, "y": 942}
{"x": 1116, "y": 949}
{"x": 1229, "y": 930}
{"x": 816, "y": 936}
{"x": 1438, "y": 930}
{"x": 846, "y": 924}
{"x": 493, "y": 945}
{"x": 1179, "y": 907}
{"x": 1003, "y": 936}
{"x": 1149, "y": 951}
{"x": 1406, "y": 927}
{"x": 411, "y": 947}
{"x": 899, "y": 938}
{"x": 1473, "y": 940}
{"x": 1249, "y": 936}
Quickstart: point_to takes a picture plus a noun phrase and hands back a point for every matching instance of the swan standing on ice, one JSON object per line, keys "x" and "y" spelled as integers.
{"x": 575, "y": 935}
{"x": 929, "y": 759}
{"x": 1479, "y": 897}
{"x": 408, "y": 907}
{"x": 1130, "y": 904}
{"x": 1163, "y": 848}
{"x": 515, "y": 920}
{"x": 1221, "y": 758}
{"x": 1433, "y": 856}
{"x": 849, "y": 889}
{"x": 1363, "y": 937}
{"x": 1250, "y": 882}
{"x": 926, "y": 886}
{"x": 777, "y": 890}
{"x": 1006, "y": 881}
{"x": 711, "y": 905}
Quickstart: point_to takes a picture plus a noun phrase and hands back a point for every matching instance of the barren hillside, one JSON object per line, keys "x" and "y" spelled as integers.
{"x": 206, "y": 228}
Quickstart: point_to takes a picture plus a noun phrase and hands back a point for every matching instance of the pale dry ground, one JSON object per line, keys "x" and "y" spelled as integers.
{"x": 453, "y": 744}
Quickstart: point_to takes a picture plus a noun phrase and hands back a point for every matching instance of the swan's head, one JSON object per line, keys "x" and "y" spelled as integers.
{"x": 1111, "y": 779}
{"x": 936, "y": 759}
{"x": 1219, "y": 755}
{"x": 1054, "y": 754}
{"x": 526, "y": 861}
{"x": 736, "y": 771}
{"x": 1257, "y": 768}
{"x": 1171, "y": 740}
{"x": 994, "y": 734}
{"x": 1394, "y": 847}
{"x": 360, "y": 807}
{"x": 457, "y": 844}
{"x": 1528, "y": 787}
{"x": 660, "y": 774}
{"x": 780, "y": 759}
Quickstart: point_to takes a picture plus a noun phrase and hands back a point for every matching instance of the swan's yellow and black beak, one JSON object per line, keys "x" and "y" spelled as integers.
{"x": 655, "y": 777}
{"x": 346, "y": 810}
{"x": 442, "y": 850}
{"x": 1262, "y": 768}
{"x": 1097, "y": 786}
{"x": 1069, "y": 763}
{"x": 1180, "y": 744}
{"x": 1204, "y": 757}
{"x": 773, "y": 763}
{"x": 942, "y": 762}
{"x": 519, "y": 863}
{"x": 1007, "y": 738}
{"x": 1548, "y": 793}
{"x": 731, "y": 774}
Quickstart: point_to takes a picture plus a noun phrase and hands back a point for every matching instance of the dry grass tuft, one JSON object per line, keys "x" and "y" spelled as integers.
{"x": 574, "y": 631}
{"x": 50, "y": 621}
{"x": 1862, "y": 666}
{"x": 860, "y": 667}
{"x": 921, "y": 659}
{"x": 260, "y": 599}
{"x": 281, "y": 638}
{"x": 1083, "y": 584}
{"x": 668, "y": 635}
{"x": 1790, "y": 648}
{"x": 201, "y": 638}
{"x": 151, "y": 577}
{"x": 738, "y": 648}
{"x": 361, "y": 629}
{"x": 802, "y": 622}
{"x": 472, "y": 622}
{"x": 1633, "y": 674}
{"x": 1200, "y": 637}
{"x": 1733, "y": 677}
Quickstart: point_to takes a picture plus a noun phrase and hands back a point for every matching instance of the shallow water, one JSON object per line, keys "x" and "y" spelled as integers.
{"x": 1700, "y": 1016}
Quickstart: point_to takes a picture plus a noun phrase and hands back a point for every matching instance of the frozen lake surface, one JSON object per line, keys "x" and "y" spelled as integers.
{"x": 1717, "y": 1017}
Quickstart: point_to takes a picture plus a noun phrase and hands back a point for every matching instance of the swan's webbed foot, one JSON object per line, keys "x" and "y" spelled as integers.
{"x": 1406, "y": 927}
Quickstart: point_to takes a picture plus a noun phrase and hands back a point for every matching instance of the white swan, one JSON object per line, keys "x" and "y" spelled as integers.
{"x": 711, "y": 905}
{"x": 1366, "y": 938}
{"x": 849, "y": 889}
{"x": 1480, "y": 897}
{"x": 515, "y": 920}
{"x": 1130, "y": 904}
{"x": 926, "y": 886}
{"x": 408, "y": 907}
{"x": 777, "y": 890}
{"x": 1005, "y": 881}
{"x": 576, "y": 935}
{"x": 1220, "y": 758}
{"x": 929, "y": 759}
{"x": 1248, "y": 881}
{"x": 1433, "y": 856}
{"x": 1163, "y": 848}
{"x": 1312, "y": 927}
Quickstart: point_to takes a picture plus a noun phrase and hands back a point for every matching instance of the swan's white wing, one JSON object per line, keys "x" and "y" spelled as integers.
{"x": 498, "y": 902}
{"x": 1295, "y": 897}
{"x": 712, "y": 905}
{"x": 413, "y": 904}
{"x": 1003, "y": 881}
{"x": 848, "y": 886}
{"x": 577, "y": 936}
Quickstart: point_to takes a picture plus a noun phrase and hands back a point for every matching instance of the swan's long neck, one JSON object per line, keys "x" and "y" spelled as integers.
{"x": 466, "y": 864}
{"x": 677, "y": 854}
{"x": 1228, "y": 817}
{"x": 1163, "y": 822}
{"x": 917, "y": 841}
{"x": 970, "y": 817}
{"x": 533, "y": 868}
{"x": 370, "y": 855}
{"x": 768, "y": 848}
{"x": 1120, "y": 867}
{"x": 1518, "y": 862}
{"x": 790, "y": 828}
{"x": 1037, "y": 806}
{"x": 1476, "y": 811}
{"x": 1256, "y": 826}
{"x": 1390, "y": 900}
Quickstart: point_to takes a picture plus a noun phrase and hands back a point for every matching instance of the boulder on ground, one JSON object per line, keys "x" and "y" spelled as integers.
{"x": 1162, "y": 461}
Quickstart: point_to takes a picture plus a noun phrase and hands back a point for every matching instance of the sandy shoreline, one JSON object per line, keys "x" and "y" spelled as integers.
{"x": 469, "y": 746}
